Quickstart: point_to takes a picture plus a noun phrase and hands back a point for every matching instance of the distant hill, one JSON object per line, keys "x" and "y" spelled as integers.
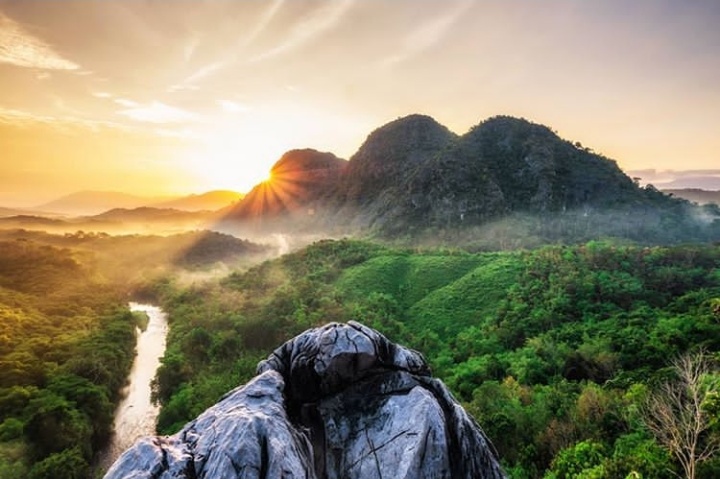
{"x": 708, "y": 179}
{"x": 414, "y": 178}
{"x": 210, "y": 201}
{"x": 5, "y": 212}
{"x": 146, "y": 213}
{"x": 85, "y": 203}
{"x": 17, "y": 221}
{"x": 696, "y": 195}
{"x": 142, "y": 220}
{"x": 147, "y": 220}
{"x": 300, "y": 179}
{"x": 90, "y": 203}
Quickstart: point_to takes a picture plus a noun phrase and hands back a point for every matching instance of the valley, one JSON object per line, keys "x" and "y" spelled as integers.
{"x": 551, "y": 314}
{"x": 450, "y": 239}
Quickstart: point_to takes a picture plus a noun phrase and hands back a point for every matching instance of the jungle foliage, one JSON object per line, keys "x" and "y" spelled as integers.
{"x": 66, "y": 346}
{"x": 554, "y": 350}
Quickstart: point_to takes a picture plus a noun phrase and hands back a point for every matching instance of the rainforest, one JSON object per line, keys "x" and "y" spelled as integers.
{"x": 555, "y": 350}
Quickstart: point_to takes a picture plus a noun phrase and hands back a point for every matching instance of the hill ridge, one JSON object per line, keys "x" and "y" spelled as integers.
{"x": 413, "y": 176}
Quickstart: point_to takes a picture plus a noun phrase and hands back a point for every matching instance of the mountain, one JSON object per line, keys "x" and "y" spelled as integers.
{"x": 30, "y": 221}
{"x": 372, "y": 191}
{"x": 148, "y": 214}
{"x": 210, "y": 201}
{"x": 89, "y": 203}
{"x": 299, "y": 179}
{"x": 388, "y": 154}
{"x": 146, "y": 219}
{"x": 503, "y": 165}
{"x": 5, "y": 212}
{"x": 94, "y": 202}
{"x": 414, "y": 177}
{"x": 696, "y": 195}
{"x": 141, "y": 220}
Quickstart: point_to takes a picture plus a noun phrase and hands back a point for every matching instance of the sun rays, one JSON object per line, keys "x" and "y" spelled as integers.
{"x": 283, "y": 191}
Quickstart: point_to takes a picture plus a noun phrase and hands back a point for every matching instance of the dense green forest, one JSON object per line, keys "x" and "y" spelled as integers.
{"x": 131, "y": 260}
{"x": 66, "y": 345}
{"x": 556, "y": 351}
{"x": 67, "y": 339}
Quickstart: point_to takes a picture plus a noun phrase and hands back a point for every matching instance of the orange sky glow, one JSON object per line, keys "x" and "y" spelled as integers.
{"x": 161, "y": 98}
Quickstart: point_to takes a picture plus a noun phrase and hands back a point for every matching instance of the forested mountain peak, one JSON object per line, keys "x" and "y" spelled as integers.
{"x": 389, "y": 154}
{"x": 539, "y": 171}
{"x": 297, "y": 179}
{"x": 403, "y": 135}
{"x": 414, "y": 177}
{"x": 306, "y": 159}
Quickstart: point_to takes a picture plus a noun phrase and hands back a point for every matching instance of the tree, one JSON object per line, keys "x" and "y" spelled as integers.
{"x": 67, "y": 464}
{"x": 677, "y": 412}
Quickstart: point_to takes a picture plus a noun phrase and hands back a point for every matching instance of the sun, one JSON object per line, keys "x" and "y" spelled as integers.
{"x": 268, "y": 178}
{"x": 238, "y": 151}
{"x": 231, "y": 161}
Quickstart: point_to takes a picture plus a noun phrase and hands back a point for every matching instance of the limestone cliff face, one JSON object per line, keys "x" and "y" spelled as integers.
{"x": 340, "y": 401}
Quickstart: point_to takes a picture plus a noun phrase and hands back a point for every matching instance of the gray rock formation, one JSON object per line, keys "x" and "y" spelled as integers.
{"x": 340, "y": 401}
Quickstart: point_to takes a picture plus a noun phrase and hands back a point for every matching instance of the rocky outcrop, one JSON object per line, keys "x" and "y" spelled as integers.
{"x": 340, "y": 401}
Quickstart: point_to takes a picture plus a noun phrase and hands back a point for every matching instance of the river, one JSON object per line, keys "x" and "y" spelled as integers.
{"x": 136, "y": 415}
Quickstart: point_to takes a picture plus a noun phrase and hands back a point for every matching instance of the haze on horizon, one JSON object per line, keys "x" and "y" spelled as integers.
{"x": 159, "y": 98}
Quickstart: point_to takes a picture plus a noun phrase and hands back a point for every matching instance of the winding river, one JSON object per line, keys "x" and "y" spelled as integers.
{"x": 136, "y": 415}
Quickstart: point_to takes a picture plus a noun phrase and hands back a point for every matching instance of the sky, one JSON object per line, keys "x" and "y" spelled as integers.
{"x": 172, "y": 97}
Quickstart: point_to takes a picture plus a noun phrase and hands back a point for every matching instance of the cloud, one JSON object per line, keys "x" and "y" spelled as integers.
{"x": 20, "y": 48}
{"x": 321, "y": 21}
{"x": 427, "y": 35}
{"x": 127, "y": 103}
{"x": 155, "y": 112}
{"x": 22, "y": 118}
{"x": 264, "y": 21}
{"x": 232, "y": 106}
{"x": 190, "y": 82}
{"x": 26, "y": 119}
{"x": 708, "y": 179}
{"x": 190, "y": 47}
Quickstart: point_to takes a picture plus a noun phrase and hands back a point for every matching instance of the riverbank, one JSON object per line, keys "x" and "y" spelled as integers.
{"x": 136, "y": 415}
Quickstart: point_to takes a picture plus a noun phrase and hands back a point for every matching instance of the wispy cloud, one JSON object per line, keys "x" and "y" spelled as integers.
{"x": 190, "y": 82}
{"x": 311, "y": 27}
{"x": 25, "y": 119}
{"x": 191, "y": 46}
{"x": 154, "y": 112}
{"x": 427, "y": 34}
{"x": 708, "y": 179}
{"x": 20, "y": 48}
{"x": 232, "y": 106}
{"x": 264, "y": 21}
{"x": 126, "y": 103}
